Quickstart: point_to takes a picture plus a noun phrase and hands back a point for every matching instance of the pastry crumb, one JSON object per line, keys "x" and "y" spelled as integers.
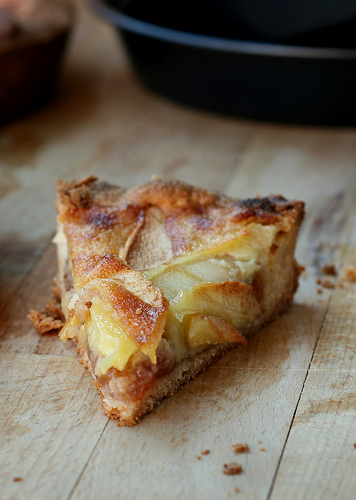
{"x": 44, "y": 323}
{"x": 53, "y": 309}
{"x": 198, "y": 457}
{"x": 350, "y": 273}
{"x": 263, "y": 448}
{"x": 17, "y": 479}
{"x": 240, "y": 448}
{"x": 205, "y": 452}
{"x": 326, "y": 283}
{"x": 237, "y": 489}
{"x": 354, "y": 445}
{"x": 329, "y": 269}
{"x": 49, "y": 321}
{"x": 232, "y": 468}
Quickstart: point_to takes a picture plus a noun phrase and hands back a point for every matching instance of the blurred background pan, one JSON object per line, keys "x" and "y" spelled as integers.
{"x": 201, "y": 56}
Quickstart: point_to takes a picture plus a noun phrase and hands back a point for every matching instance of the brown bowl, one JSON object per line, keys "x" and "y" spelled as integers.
{"x": 31, "y": 52}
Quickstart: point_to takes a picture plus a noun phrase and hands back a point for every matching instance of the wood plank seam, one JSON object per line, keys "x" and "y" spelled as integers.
{"x": 342, "y": 263}
{"x": 86, "y": 463}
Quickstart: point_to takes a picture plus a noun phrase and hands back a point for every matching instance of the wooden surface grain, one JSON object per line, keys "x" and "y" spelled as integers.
{"x": 291, "y": 394}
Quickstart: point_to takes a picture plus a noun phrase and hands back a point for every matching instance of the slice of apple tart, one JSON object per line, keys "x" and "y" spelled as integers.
{"x": 159, "y": 281}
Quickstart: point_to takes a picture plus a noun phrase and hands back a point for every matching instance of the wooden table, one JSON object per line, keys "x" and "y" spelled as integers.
{"x": 291, "y": 394}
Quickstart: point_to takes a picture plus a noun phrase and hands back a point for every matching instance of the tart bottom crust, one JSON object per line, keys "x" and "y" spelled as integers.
{"x": 129, "y": 414}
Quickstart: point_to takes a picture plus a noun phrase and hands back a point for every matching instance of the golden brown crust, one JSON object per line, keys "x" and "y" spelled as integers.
{"x": 192, "y": 219}
{"x": 167, "y": 386}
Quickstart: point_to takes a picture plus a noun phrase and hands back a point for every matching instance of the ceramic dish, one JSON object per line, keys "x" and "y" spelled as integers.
{"x": 31, "y": 52}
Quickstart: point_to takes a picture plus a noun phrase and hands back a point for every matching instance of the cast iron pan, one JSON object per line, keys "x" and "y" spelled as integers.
{"x": 200, "y": 60}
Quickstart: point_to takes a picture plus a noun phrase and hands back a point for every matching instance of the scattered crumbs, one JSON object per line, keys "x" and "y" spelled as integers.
{"x": 263, "y": 448}
{"x": 198, "y": 457}
{"x": 205, "y": 452}
{"x": 350, "y": 273}
{"x": 240, "y": 448}
{"x": 259, "y": 442}
{"x": 318, "y": 281}
{"x": 237, "y": 489}
{"x": 301, "y": 269}
{"x": 329, "y": 269}
{"x": 326, "y": 283}
{"x": 354, "y": 445}
{"x": 232, "y": 468}
{"x": 17, "y": 479}
{"x": 320, "y": 291}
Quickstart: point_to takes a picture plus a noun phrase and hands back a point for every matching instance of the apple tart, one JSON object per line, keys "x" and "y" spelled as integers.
{"x": 159, "y": 281}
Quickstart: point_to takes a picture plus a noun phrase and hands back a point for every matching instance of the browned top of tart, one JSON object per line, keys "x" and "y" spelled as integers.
{"x": 161, "y": 220}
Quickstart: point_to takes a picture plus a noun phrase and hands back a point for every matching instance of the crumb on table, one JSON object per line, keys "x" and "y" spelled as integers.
{"x": 44, "y": 323}
{"x": 205, "y": 452}
{"x": 232, "y": 468}
{"x": 17, "y": 479}
{"x": 240, "y": 448}
{"x": 263, "y": 448}
{"x": 54, "y": 310}
{"x": 325, "y": 283}
{"x": 350, "y": 273}
{"x": 329, "y": 269}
